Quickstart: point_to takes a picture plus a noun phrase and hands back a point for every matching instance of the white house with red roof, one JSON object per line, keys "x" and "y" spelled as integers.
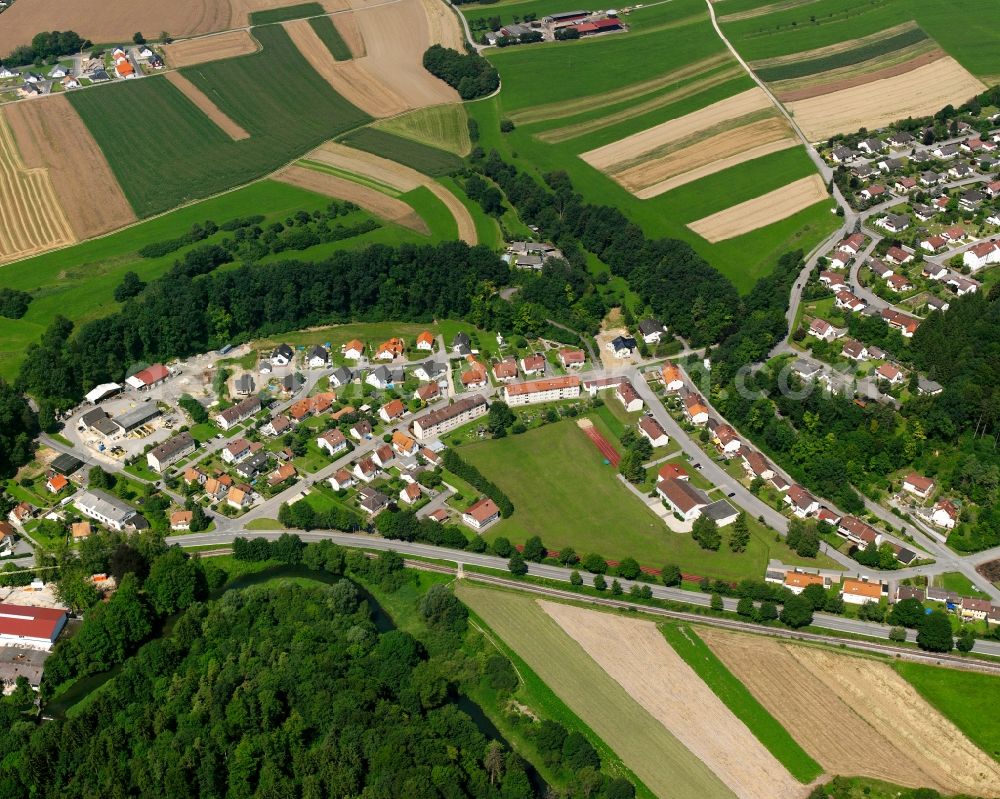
{"x": 982, "y": 254}
{"x": 801, "y": 501}
{"x": 850, "y": 302}
{"x": 918, "y": 485}
{"x": 628, "y": 396}
{"x": 945, "y": 514}
{"x": 653, "y": 432}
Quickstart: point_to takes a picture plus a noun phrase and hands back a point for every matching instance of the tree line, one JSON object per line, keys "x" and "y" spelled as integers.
{"x": 47, "y": 47}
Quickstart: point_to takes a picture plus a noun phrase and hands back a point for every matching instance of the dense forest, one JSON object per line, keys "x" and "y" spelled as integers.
{"x": 683, "y": 290}
{"x": 469, "y": 74}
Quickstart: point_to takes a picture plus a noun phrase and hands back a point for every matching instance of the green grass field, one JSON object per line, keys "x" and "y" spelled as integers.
{"x": 665, "y": 766}
{"x": 274, "y": 95}
{"x": 963, "y": 697}
{"x": 959, "y": 583}
{"x": 738, "y": 699}
{"x": 330, "y": 36}
{"x": 973, "y": 39}
{"x": 286, "y": 13}
{"x": 422, "y": 157}
{"x": 563, "y": 491}
{"x": 444, "y": 127}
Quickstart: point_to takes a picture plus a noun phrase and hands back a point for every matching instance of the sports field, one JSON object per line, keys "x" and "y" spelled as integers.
{"x": 563, "y": 491}
{"x": 656, "y": 756}
{"x": 264, "y": 93}
{"x": 79, "y": 281}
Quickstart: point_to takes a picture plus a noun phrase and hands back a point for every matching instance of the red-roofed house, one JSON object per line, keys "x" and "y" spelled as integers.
{"x": 628, "y": 396}
{"x": 671, "y": 376}
{"x": 801, "y": 501}
{"x": 945, "y": 514}
{"x": 481, "y": 514}
{"x": 653, "y": 431}
{"x": 979, "y": 255}
{"x": 756, "y": 465}
{"x": 572, "y": 359}
{"x": 410, "y": 493}
{"x": 671, "y": 471}
{"x": 425, "y": 341}
{"x": 56, "y": 483}
{"x": 859, "y": 592}
{"x": 533, "y": 364}
{"x": 392, "y": 410}
{"x": 898, "y": 256}
{"x": 505, "y": 370}
{"x": 726, "y": 439}
{"x": 918, "y": 485}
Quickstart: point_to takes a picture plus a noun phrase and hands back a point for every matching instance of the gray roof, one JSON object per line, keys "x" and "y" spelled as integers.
{"x": 66, "y": 464}
{"x": 382, "y": 374}
{"x": 292, "y": 382}
{"x": 647, "y": 326}
{"x": 801, "y": 367}
{"x": 140, "y": 414}
{"x": 431, "y": 368}
{"x": 283, "y": 350}
{"x": 925, "y": 386}
{"x": 252, "y": 465}
{"x": 623, "y": 343}
{"x": 92, "y": 416}
{"x": 319, "y": 352}
{"x": 898, "y": 220}
{"x": 105, "y": 505}
{"x": 460, "y": 339}
{"x": 342, "y": 375}
{"x": 719, "y": 510}
{"x": 245, "y": 383}
{"x": 172, "y": 446}
{"x": 106, "y": 427}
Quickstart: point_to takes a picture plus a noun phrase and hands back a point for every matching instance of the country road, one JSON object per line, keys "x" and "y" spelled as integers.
{"x": 560, "y": 574}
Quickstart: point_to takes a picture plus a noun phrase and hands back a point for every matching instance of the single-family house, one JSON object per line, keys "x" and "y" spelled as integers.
{"x": 756, "y": 465}
{"x": 250, "y": 467}
{"x": 961, "y": 285}
{"x": 918, "y": 485}
{"x": 391, "y": 411}
{"x": 622, "y": 346}
{"x": 861, "y": 592}
{"x": 822, "y": 329}
{"x": 907, "y": 325}
{"x": 797, "y": 582}
{"x": 871, "y": 145}
{"x": 427, "y": 392}
{"x": 802, "y": 503}
{"x": 332, "y": 441}
{"x": 181, "y": 519}
{"x": 410, "y": 493}
{"x": 695, "y": 409}
{"x": 890, "y": 373}
{"x": 955, "y": 233}
{"x": 429, "y": 370}
{"x": 929, "y": 387}
{"x": 505, "y": 370}
{"x": 572, "y": 358}
{"x": 461, "y": 344}
{"x": 653, "y": 432}
{"x": 380, "y": 377}
{"x": 78, "y": 530}
{"x": 70, "y": 82}
{"x": 354, "y": 349}
{"x": 899, "y": 283}
{"x": 923, "y": 212}
{"x": 852, "y": 244}
{"x": 850, "y": 301}
{"x": 236, "y": 451}
{"x": 341, "y": 376}
{"x": 533, "y": 364}
{"x": 318, "y": 357}
{"x": 282, "y": 474}
{"x": 56, "y": 483}
{"x": 366, "y": 470}
{"x": 858, "y": 532}
{"x": 979, "y": 255}
{"x": 855, "y": 350}
{"x": 240, "y": 497}
{"x": 282, "y": 355}
{"x": 945, "y": 152}
{"x": 671, "y": 471}
{"x": 682, "y": 498}
{"x": 970, "y": 200}
{"x": 425, "y": 342}
{"x": 904, "y": 185}
{"x": 383, "y": 455}
{"x": 390, "y": 350}
{"x": 840, "y": 155}
{"x": 898, "y": 256}
{"x": 20, "y": 513}
{"x": 652, "y": 330}
{"x": 481, "y": 514}
{"x": 933, "y": 271}
{"x": 628, "y": 396}
{"x": 277, "y": 426}
{"x": 872, "y": 193}
{"x": 909, "y": 592}
{"x": 833, "y": 280}
{"x": 404, "y": 445}
{"x": 944, "y": 514}
{"x": 194, "y": 476}
{"x": 879, "y": 268}
{"x": 342, "y": 479}
{"x": 961, "y": 171}
{"x": 671, "y": 376}
{"x": 726, "y": 439}
{"x": 933, "y": 243}
{"x": 894, "y": 223}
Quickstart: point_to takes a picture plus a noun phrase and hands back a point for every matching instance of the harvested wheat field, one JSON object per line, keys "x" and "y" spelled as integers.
{"x": 856, "y": 716}
{"x": 653, "y": 176}
{"x": 761, "y": 211}
{"x": 347, "y": 27}
{"x": 644, "y": 745}
{"x": 206, "y": 106}
{"x": 342, "y": 189}
{"x": 189, "y": 52}
{"x": 399, "y": 177}
{"x": 51, "y": 136}
{"x": 919, "y": 92}
{"x": 33, "y": 221}
{"x": 390, "y": 78}
{"x": 444, "y": 26}
{"x": 611, "y": 155}
{"x": 637, "y": 657}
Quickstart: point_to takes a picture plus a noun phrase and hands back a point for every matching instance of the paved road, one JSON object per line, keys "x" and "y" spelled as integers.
{"x": 822, "y": 620}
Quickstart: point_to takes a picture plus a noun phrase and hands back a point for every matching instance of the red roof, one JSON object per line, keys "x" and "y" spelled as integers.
{"x": 152, "y": 374}
{"x": 26, "y": 622}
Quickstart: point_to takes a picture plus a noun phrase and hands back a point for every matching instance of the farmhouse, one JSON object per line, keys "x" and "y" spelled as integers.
{"x": 149, "y": 377}
{"x": 628, "y": 396}
{"x": 653, "y": 432}
{"x": 801, "y": 501}
{"x": 439, "y": 422}
{"x": 170, "y": 451}
{"x": 30, "y": 627}
{"x": 543, "y": 390}
{"x": 481, "y": 514}
{"x": 859, "y": 592}
{"x": 682, "y": 498}
{"x": 918, "y": 485}
{"x": 241, "y": 411}
{"x": 571, "y": 358}
{"x": 106, "y": 509}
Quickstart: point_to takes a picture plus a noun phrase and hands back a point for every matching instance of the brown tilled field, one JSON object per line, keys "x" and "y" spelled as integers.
{"x": 916, "y": 93}
{"x": 32, "y": 221}
{"x": 611, "y": 155}
{"x": 637, "y": 657}
{"x": 342, "y": 189}
{"x": 399, "y": 177}
{"x": 51, "y": 136}
{"x": 761, "y": 211}
{"x": 656, "y": 175}
{"x": 206, "y": 106}
{"x": 209, "y": 48}
{"x": 347, "y": 27}
{"x": 856, "y": 716}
